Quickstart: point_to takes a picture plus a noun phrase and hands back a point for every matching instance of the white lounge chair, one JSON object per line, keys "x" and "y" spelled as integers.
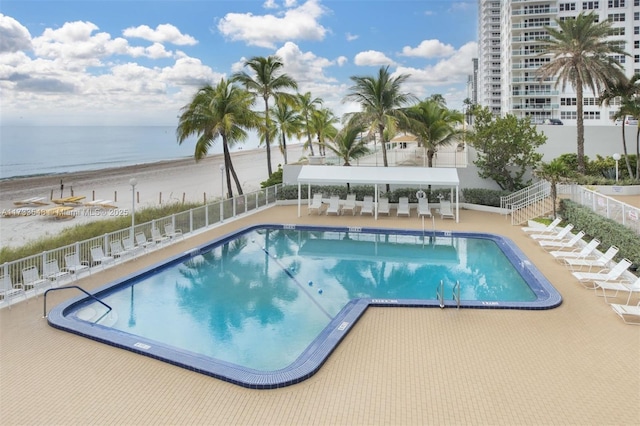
{"x": 316, "y": 204}
{"x": 599, "y": 262}
{"x": 445, "y": 210}
{"x": 562, "y": 244}
{"x": 349, "y": 204}
{"x": 334, "y": 205}
{"x": 31, "y": 279}
{"x": 171, "y": 232}
{"x": 367, "y": 205}
{"x": 75, "y": 266}
{"x": 51, "y": 271}
{"x": 605, "y": 275}
{"x": 141, "y": 241}
{"x": 31, "y": 202}
{"x": 98, "y": 256}
{"x": 383, "y": 206}
{"x": 130, "y": 246}
{"x": 403, "y": 207}
{"x": 560, "y": 235}
{"x": 8, "y": 291}
{"x": 423, "y": 207}
{"x": 628, "y": 311}
{"x": 631, "y": 287}
{"x": 549, "y": 229}
{"x": 584, "y": 253}
{"x": 117, "y": 249}
{"x": 157, "y": 237}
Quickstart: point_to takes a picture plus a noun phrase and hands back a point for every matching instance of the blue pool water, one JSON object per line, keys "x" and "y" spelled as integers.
{"x": 265, "y": 307}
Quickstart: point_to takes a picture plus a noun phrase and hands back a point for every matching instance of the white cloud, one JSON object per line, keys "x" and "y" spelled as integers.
{"x": 429, "y": 49}
{"x": 351, "y": 37}
{"x": 446, "y": 72}
{"x": 304, "y": 66}
{"x": 341, "y": 60}
{"x": 270, "y": 4}
{"x": 372, "y": 57}
{"x": 300, "y": 23}
{"x": 164, "y": 33}
{"x": 13, "y": 36}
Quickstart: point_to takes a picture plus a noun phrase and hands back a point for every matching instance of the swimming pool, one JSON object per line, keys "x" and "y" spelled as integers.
{"x": 295, "y": 291}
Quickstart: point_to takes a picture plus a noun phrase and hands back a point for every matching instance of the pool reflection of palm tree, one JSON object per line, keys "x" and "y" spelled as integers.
{"x": 228, "y": 297}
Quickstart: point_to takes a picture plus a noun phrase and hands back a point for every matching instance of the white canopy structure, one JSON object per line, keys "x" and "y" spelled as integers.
{"x": 412, "y": 176}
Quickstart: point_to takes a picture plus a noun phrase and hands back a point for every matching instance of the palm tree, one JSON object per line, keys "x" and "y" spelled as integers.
{"x": 323, "y": 125}
{"x": 582, "y": 57}
{"x": 222, "y": 111}
{"x": 288, "y": 123}
{"x": 434, "y": 125}
{"x": 555, "y": 172}
{"x": 347, "y": 145}
{"x": 626, "y": 91}
{"x": 267, "y": 81}
{"x": 380, "y": 99}
{"x": 306, "y": 108}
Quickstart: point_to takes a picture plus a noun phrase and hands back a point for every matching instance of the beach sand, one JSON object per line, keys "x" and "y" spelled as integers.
{"x": 162, "y": 182}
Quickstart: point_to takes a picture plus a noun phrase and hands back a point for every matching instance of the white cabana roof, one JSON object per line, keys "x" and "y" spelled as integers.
{"x": 376, "y": 175}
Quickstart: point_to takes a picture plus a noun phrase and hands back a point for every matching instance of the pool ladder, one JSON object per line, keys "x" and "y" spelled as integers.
{"x": 455, "y": 294}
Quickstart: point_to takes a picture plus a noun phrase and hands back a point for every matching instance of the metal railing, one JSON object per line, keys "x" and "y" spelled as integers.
{"x": 532, "y": 195}
{"x": 185, "y": 223}
{"x": 604, "y": 205}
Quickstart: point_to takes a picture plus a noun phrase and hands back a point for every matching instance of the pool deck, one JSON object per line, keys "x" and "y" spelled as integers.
{"x": 576, "y": 364}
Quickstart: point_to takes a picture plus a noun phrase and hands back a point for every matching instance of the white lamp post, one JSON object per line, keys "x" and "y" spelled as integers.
{"x": 133, "y": 182}
{"x": 616, "y": 157}
{"x": 221, "y": 192}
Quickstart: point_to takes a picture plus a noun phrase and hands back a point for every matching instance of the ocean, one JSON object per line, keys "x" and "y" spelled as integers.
{"x": 38, "y": 150}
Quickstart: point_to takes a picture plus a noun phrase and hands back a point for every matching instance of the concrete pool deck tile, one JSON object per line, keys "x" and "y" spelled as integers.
{"x": 575, "y": 364}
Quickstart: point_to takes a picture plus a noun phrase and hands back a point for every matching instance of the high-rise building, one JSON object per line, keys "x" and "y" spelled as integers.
{"x": 510, "y": 36}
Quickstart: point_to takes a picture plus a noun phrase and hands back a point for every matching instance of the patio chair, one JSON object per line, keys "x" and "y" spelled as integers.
{"x": 75, "y": 265}
{"x": 631, "y": 287}
{"x": 117, "y": 249}
{"x": 562, "y": 244}
{"x": 52, "y": 271}
{"x": 31, "y": 279}
{"x": 349, "y": 204}
{"x": 334, "y": 205}
{"x": 403, "y": 207}
{"x": 157, "y": 237}
{"x": 628, "y": 311}
{"x": 130, "y": 246}
{"x": 423, "y": 208}
{"x": 605, "y": 275}
{"x": 316, "y": 204}
{"x": 98, "y": 256}
{"x": 383, "y": 206}
{"x": 367, "y": 205}
{"x": 560, "y": 235}
{"x": 141, "y": 241}
{"x": 171, "y": 232}
{"x": 599, "y": 262}
{"x": 8, "y": 291}
{"x": 584, "y": 253}
{"x": 446, "y": 211}
{"x": 549, "y": 229}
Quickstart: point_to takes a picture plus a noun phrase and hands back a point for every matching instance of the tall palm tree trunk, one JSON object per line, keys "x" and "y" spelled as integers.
{"x": 230, "y": 170}
{"x": 624, "y": 149}
{"x": 580, "y": 125}
{"x": 384, "y": 146}
{"x": 267, "y": 136}
{"x": 284, "y": 148}
{"x": 310, "y": 142}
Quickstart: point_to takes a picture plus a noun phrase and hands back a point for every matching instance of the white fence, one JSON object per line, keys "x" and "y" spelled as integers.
{"x": 450, "y": 156}
{"x": 608, "y": 207}
{"x": 52, "y": 267}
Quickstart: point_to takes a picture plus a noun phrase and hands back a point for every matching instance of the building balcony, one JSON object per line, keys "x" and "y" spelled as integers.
{"x": 529, "y": 39}
{"x": 529, "y": 12}
{"x": 531, "y": 25}
{"x": 525, "y": 66}
{"x": 535, "y": 93}
{"x": 532, "y": 80}
{"x": 535, "y": 107}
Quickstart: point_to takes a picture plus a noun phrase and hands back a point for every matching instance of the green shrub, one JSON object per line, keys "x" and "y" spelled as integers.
{"x": 484, "y": 197}
{"x": 609, "y": 232}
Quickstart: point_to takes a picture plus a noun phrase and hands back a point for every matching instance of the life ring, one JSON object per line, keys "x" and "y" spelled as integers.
{"x": 421, "y": 194}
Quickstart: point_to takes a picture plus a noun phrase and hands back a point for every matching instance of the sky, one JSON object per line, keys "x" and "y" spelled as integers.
{"x": 138, "y": 62}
